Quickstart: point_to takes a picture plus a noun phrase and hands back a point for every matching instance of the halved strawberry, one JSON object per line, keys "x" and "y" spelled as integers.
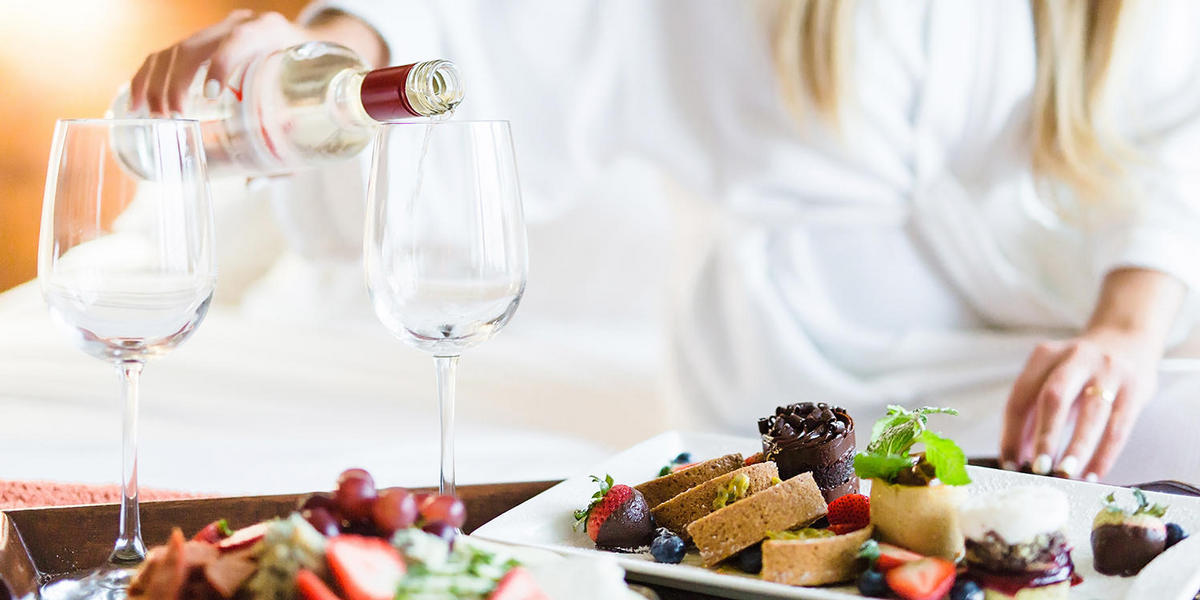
{"x": 366, "y": 568}
{"x": 243, "y": 537}
{"x": 312, "y": 588}
{"x": 852, "y": 510}
{"x": 891, "y": 557}
{"x": 213, "y": 532}
{"x": 926, "y": 579}
{"x": 518, "y": 584}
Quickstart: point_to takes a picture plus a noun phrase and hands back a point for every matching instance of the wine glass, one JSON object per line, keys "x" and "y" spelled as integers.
{"x": 445, "y": 247}
{"x": 126, "y": 267}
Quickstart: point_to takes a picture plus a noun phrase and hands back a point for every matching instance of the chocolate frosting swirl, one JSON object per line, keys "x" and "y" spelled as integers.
{"x": 805, "y": 425}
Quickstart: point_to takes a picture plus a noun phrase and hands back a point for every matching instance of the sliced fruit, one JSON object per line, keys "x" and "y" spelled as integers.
{"x": 926, "y": 579}
{"x": 851, "y": 509}
{"x": 243, "y": 537}
{"x": 891, "y": 557}
{"x": 312, "y": 588}
{"x": 366, "y": 568}
{"x": 518, "y": 584}
{"x": 213, "y": 532}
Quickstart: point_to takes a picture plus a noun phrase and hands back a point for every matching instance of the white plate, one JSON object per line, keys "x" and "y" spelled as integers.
{"x": 545, "y": 521}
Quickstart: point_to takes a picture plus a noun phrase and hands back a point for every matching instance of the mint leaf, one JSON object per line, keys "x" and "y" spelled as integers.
{"x": 899, "y": 430}
{"x": 880, "y": 466}
{"x": 947, "y": 459}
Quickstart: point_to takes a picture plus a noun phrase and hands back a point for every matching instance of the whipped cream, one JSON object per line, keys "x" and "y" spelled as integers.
{"x": 1016, "y": 514}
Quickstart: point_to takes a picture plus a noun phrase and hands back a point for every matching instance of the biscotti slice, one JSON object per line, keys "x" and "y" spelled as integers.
{"x": 657, "y": 491}
{"x": 792, "y": 503}
{"x": 679, "y": 512}
{"x": 816, "y": 561}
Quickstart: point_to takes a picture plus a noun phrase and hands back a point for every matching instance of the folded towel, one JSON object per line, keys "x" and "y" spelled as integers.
{"x": 31, "y": 494}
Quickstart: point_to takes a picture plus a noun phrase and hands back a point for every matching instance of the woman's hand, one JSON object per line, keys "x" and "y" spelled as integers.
{"x": 1092, "y": 387}
{"x": 161, "y": 84}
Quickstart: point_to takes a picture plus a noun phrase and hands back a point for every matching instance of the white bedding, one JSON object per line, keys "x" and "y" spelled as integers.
{"x": 253, "y": 406}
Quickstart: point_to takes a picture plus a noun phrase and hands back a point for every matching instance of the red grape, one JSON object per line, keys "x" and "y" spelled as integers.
{"x": 395, "y": 509}
{"x": 318, "y": 500}
{"x": 322, "y": 521}
{"x": 355, "y": 494}
{"x": 442, "y": 530}
{"x": 447, "y": 509}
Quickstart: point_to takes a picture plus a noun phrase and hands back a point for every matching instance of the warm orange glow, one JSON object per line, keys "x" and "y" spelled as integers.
{"x": 66, "y": 58}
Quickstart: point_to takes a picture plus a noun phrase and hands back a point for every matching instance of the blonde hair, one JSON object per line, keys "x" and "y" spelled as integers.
{"x": 1072, "y": 140}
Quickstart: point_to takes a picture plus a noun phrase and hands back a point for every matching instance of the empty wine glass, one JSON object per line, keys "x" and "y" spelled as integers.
{"x": 445, "y": 244}
{"x": 126, "y": 266}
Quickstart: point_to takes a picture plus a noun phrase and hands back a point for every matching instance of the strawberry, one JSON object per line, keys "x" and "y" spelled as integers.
{"x": 243, "y": 537}
{"x": 312, "y": 588}
{"x": 638, "y": 528}
{"x": 926, "y": 579}
{"x": 517, "y": 584}
{"x": 885, "y": 557}
{"x": 213, "y": 532}
{"x": 754, "y": 459}
{"x": 851, "y": 510}
{"x": 366, "y": 568}
{"x": 842, "y": 528}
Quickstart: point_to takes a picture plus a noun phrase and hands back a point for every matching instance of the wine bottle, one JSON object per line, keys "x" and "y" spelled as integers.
{"x": 301, "y": 106}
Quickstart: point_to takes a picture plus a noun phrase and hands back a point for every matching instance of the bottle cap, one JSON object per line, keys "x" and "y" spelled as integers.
{"x": 384, "y": 94}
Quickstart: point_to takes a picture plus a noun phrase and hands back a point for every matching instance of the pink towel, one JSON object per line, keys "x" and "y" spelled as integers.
{"x": 30, "y": 494}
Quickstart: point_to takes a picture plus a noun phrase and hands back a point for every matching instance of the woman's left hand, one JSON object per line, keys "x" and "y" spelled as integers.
{"x": 1092, "y": 388}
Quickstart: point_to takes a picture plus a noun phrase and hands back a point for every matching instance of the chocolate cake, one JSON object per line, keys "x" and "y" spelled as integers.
{"x": 812, "y": 438}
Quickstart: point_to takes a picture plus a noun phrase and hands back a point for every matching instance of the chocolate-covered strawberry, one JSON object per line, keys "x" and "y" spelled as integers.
{"x": 1124, "y": 541}
{"x": 617, "y": 518}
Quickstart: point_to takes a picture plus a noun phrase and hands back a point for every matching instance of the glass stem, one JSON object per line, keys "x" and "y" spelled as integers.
{"x": 446, "y": 367}
{"x": 129, "y": 548}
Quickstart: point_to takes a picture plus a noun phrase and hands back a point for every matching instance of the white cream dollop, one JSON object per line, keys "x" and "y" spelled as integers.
{"x": 1016, "y": 514}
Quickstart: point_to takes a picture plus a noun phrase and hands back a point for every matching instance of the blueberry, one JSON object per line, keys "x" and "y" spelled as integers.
{"x": 872, "y": 584}
{"x": 683, "y": 458}
{"x": 750, "y": 559}
{"x": 965, "y": 589}
{"x": 667, "y": 549}
{"x": 1175, "y": 534}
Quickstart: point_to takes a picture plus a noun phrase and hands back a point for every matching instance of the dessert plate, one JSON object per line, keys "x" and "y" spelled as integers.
{"x": 545, "y": 521}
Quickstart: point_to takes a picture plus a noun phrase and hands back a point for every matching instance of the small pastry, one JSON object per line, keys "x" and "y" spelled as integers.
{"x": 812, "y": 438}
{"x": 712, "y": 495}
{"x": 793, "y": 503}
{"x": 1015, "y": 543}
{"x": 663, "y": 488}
{"x": 915, "y": 497}
{"x": 814, "y": 560}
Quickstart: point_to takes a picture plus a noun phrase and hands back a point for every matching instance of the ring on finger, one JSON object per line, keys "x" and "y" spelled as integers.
{"x": 1108, "y": 396}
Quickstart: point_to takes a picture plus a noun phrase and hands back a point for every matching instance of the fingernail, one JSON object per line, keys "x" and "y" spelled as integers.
{"x": 1008, "y": 465}
{"x": 1091, "y": 478}
{"x": 1070, "y": 466}
{"x": 212, "y": 89}
{"x": 1042, "y": 464}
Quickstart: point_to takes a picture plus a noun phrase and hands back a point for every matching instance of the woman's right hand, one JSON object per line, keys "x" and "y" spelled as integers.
{"x": 161, "y": 84}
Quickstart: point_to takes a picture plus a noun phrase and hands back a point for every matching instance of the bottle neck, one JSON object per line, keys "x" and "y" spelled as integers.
{"x": 423, "y": 89}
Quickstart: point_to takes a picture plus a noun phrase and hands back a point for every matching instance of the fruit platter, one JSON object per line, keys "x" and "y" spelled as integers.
{"x": 802, "y": 512}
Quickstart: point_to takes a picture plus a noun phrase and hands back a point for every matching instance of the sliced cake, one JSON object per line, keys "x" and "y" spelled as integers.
{"x": 716, "y": 493}
{"x": 786, "y": 505}
{"x": 814, "y": 561}
{"x": 657, "y": 491}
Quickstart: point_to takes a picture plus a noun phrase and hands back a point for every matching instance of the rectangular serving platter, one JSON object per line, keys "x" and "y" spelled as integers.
{"x": 546, "y": 520}
{"x": 38, "y": 543}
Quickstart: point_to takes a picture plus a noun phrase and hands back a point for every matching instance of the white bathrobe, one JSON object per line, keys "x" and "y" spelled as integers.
{"x": 906, "y": 257}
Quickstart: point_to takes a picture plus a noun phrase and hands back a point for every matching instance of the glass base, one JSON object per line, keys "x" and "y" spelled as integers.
{"x": 107, "y": 583}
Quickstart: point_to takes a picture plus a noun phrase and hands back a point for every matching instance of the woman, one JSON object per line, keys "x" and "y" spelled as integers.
{"x": 889, "y": 202}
